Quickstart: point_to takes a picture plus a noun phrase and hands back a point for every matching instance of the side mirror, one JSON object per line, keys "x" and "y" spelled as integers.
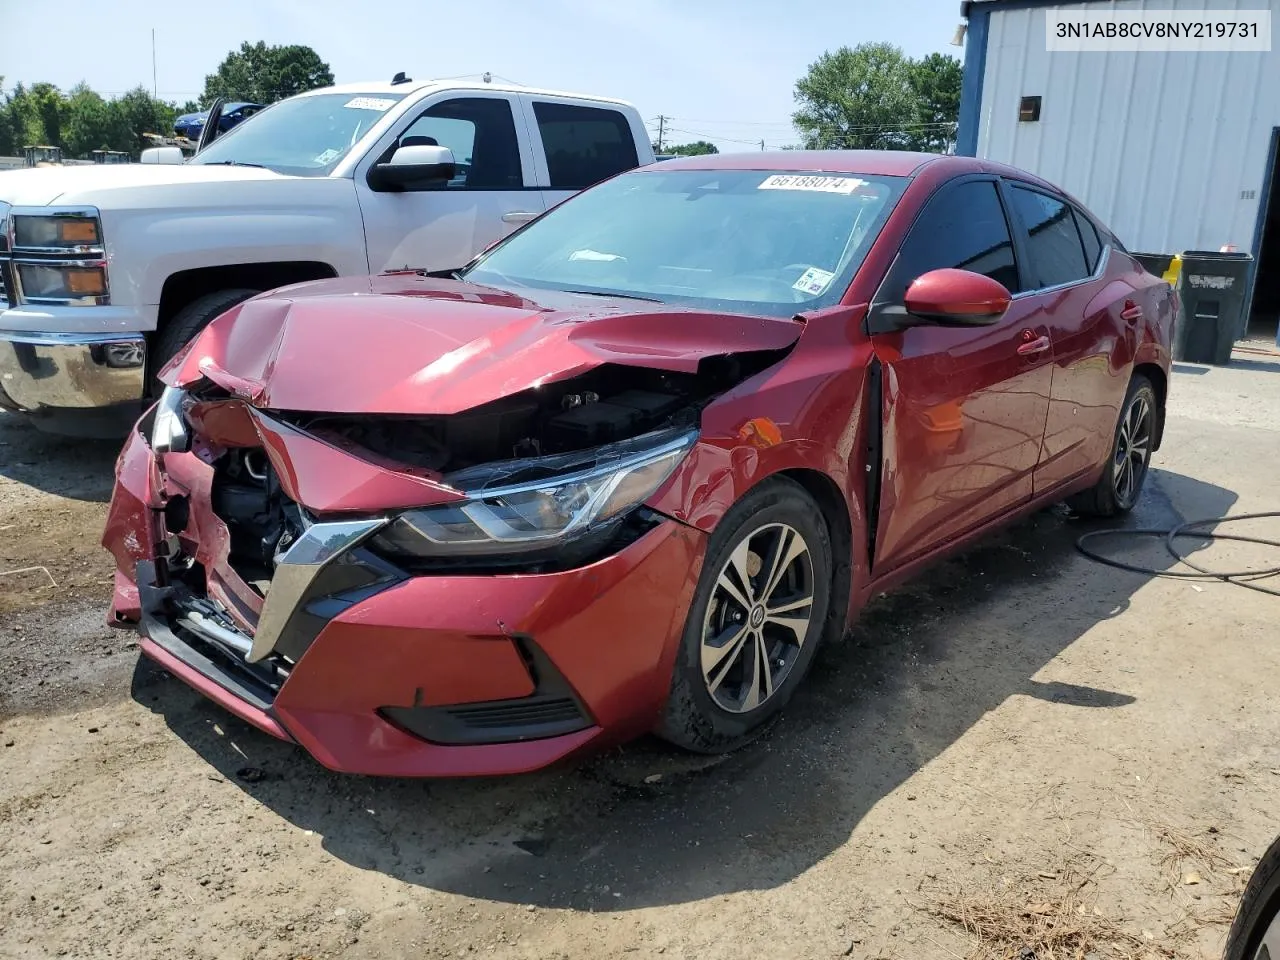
{"x": 161, "y": 155}
{"x": 956, "y": 298}
{"x": 413, "y": 167}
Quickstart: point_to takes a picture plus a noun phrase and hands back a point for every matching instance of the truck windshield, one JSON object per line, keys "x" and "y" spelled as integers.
{"x": 748, "y": 241}
{"x": 302, "y": 136}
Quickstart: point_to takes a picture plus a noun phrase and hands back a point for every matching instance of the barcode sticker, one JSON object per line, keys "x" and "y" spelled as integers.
{"x": 792, "y": 181}
{"x": 370, "y": 103}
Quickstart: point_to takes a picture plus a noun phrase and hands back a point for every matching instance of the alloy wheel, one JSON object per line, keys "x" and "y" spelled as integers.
{"x": 757, "y": 618}
{"x": 1133, "y": 450}
{"x": 1269, "y": 946}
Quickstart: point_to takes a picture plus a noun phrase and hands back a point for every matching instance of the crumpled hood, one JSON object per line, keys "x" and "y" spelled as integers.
{"x": 93, "y": 183}
{"x": 400, "y": 343}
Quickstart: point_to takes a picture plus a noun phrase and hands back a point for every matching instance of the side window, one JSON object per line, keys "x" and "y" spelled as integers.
{"x": 1089, "y": 237}
{"x": 1057, "y": 255}
{"x": 584, "y": 145}
{"x": 962, "y": 227}
{"x": 481, "y": 133}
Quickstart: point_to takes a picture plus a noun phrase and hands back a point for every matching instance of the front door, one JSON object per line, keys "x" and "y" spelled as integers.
{"x": 963, "y": 407}
{"x": 492, "y": 193}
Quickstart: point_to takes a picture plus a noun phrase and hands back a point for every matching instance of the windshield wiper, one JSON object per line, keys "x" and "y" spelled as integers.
{"x": 619, "y": 296}
{"x": 236, "y": 163}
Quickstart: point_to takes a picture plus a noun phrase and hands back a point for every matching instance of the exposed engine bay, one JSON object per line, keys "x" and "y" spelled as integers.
{"x": 605, "y": 405}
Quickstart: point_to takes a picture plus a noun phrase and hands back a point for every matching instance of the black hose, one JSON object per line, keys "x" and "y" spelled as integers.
{"x": 1190, "y": 529}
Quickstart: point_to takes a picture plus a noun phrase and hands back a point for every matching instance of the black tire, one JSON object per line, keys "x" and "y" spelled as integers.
{"x": 1258, "y": 908}
{"x": 189, "y": 321}
{"x": 1116, "y": 492}
{"x": 769, "y": 517}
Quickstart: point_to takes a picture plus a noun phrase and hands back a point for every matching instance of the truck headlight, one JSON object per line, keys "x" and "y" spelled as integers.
{"x": 57, "y": 232}
{"x": 63, "y": 281}
{"x": 600, "y": 486}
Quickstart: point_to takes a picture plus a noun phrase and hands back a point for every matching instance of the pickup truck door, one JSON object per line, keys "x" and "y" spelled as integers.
{"x": 492, "y": 193}
{"x": 578, "y": 143}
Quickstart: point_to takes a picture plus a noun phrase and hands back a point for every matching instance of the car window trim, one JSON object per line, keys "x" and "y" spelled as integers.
{"x": 1024, "y": 237}
{"x": 878, "y": 303}
{"x": 420, "y": 109}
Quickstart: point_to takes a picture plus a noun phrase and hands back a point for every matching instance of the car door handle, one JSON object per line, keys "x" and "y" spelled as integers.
{"x": 1131, "y": 312}
{"x": 518, "y": 216}
{"x": 1032, "y": 347}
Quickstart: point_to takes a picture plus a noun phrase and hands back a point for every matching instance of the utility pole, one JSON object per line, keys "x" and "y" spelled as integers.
{"x": 762, "y": 146}
{"x": 662, "y": 126}
{"x": 155, "y": 88}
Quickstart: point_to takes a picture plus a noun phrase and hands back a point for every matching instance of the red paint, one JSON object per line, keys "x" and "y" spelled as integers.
{"x": 980, "y": 424}
{"x": 949, "y": 293}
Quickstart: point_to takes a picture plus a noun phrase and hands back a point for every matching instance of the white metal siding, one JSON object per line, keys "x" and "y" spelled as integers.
{"x": 1159, "y": 145}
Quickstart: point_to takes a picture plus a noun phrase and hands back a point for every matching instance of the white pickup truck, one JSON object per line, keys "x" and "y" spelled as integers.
{"x": 106, "y": 271}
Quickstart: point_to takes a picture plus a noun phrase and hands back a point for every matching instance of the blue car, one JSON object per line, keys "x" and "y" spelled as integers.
{"x": 189, "y": 125}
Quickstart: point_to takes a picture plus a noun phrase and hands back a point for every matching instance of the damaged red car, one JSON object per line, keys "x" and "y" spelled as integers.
{"x": 632, "y": 466}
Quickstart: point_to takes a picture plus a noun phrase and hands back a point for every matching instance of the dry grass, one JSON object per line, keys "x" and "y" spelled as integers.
{"x": 1198, "y": 848}
{"x": 1050, "y": 915}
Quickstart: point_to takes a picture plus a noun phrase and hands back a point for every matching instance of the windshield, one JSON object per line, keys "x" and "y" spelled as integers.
{"x": 749, "y": 241}
{"x": 303, "y": 136}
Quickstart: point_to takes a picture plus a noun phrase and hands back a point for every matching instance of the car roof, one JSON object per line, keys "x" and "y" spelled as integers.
{"x": 411, "y": 86}
{"x": 888, "y": 163}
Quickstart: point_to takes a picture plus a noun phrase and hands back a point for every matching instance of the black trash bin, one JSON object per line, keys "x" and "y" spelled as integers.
{"x": 1212, "y": 288}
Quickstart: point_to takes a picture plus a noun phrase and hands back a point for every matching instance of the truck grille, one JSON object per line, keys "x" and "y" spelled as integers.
{"x": 4, "y": 284}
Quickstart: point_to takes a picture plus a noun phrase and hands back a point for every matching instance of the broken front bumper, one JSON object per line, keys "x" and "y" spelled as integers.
{"x": 374, "y": 671}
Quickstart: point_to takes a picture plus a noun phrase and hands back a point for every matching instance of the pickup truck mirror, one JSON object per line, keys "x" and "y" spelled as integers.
{"x": 161, "y": 155}
{"x": 413, "y": 167}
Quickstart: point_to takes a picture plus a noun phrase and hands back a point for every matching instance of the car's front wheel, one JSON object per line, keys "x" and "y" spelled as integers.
{"x": 755, "y": 620}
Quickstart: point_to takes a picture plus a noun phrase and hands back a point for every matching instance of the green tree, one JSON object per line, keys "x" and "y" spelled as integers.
{"x": 136, "y": 113}
{"x": 856, "y": 98}
{"x": 696, "y": 149}
{"x": 262, "y": 74}
{"x": 935, "y": 79}
{"x": 873, "y": 97}
{"x": 91, "y": 124}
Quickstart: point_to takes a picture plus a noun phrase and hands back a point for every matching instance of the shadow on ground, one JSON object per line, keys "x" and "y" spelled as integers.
{"x": 67, "y": 466}
{"x": 921, "y": 667}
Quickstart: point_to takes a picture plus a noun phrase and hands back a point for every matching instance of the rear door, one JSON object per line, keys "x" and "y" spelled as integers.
{"x": 963, "y": 407}
{"x": 1090, "y": 328}
{"x": 442, "y": 226}
{"x": 578, "y": 143}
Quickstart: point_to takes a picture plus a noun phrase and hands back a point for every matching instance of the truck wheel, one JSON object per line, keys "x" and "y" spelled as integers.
{"x": 189, "y": 321}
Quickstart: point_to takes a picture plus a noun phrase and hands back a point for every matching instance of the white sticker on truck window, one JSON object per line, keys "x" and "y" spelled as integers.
{"x": 793, "y": 181}
{"x": 813, "y": 281}
{"x": 369, "y": 103}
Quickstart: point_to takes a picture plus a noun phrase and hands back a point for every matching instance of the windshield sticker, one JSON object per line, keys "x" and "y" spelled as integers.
{"x": 791, "y": 181}
{"x": 327, "y": 157}
{"x": 370, "y": 103}
{"x": 813, "y": 281}
{"x": 594, "y": 255}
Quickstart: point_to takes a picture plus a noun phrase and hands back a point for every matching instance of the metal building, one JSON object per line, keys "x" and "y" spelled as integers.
{"x": 1173, "y": 150}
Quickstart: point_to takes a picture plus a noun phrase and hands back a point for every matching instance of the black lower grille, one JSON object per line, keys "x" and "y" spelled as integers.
{"x": 518, "y": 713}
{"x": 5, "y": 285}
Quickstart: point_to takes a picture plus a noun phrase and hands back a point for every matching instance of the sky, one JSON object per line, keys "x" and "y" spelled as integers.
{"x": 721, "y": 70}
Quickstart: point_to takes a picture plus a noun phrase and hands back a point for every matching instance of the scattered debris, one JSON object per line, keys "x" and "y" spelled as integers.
{"x": 1191, "y": 877}
{"x": 653, "y": 778}
{"x": 251, "y": 774}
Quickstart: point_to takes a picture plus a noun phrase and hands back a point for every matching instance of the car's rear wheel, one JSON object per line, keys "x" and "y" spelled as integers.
{"x": 1120, "y": 486}
{"x": 1255, "y": 934}
{"x": 755, "y": 620}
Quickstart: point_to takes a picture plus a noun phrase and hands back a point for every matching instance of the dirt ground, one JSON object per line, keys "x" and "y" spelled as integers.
{"x": 1024, "y": 749}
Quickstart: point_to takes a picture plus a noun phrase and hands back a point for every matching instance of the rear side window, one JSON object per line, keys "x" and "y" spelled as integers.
{"x": 962, "y": 227}
{"x": 584, "y": 145}
{"x": 1089, "y": 237}
{"x": 481, "y": 133}
{"x": 1057, "y": 256}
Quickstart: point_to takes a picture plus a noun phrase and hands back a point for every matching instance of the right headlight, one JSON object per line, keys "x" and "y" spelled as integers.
{"x": 597, "y": 487}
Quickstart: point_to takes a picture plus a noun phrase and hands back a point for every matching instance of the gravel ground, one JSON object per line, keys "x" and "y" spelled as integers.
{"x": 1022, "y": 736}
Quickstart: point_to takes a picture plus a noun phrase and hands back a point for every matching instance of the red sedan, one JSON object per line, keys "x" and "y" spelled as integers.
{"x": 627, "y": 470}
